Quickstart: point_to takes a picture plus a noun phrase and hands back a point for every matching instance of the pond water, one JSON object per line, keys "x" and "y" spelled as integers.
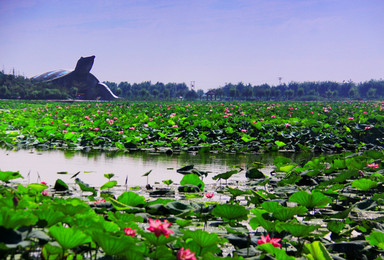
{"x": 36, "y": 166}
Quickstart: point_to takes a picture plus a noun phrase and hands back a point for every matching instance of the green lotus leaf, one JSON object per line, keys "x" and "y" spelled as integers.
{"x": 317, "y": 251}
{"x": 60, "y": 185}
{"x": 298, "y": 230}
{"x": 335, "y": 226}
{"x": 258, "y": 220}
{"x": 276, "y": 252}
{"x": 225, "y": 175}
{"x": 37, "y": 187}
{"x": 310, "y": 200}
{"x": 49, "y": 215}
{"x": 147, "y": 173}
{"x": 109, "y": 175}
{"x": 376, "y": 238}
{"x": 177, "y": 207}
{"x": 85, "y": 187}
{"x": 254, "y": 173}
{"x": 71, "y": 207}
{"x": 201, "y": 241}
{"x": 279, "y": 143}
{"x": 364, "y": 184}
{"x": 192, "y": 179}
{"x": 52, "y": 251}
{"x": 13, "y": 219}
{"x": 185, "y": 168}
{"x": 6, "y": 176}
{"x": 132, "y": 199}
{"x": 69, "y": 237}
{"x": 157, "y": 241}
{"x": 168, "y": 182}
{"x": 231, "y": 212}
{"x": 116, "y": 245}
{"x": 108, "y": 185}
{"x": 283, "y": 213}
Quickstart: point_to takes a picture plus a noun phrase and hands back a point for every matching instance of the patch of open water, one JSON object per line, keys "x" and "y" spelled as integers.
{"x": 36, "y": 166}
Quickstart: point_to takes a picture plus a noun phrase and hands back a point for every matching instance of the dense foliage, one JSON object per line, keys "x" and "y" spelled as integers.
{"x": 18, "y": 87}
{"x": 372, "y": 89}
{"x": 327, "y": 208}
{"x": 220, "y": 126}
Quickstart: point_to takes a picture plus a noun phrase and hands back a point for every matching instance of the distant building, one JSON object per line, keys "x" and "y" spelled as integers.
{"x": 87, "y": 86}
{"x": 211, "y": 95}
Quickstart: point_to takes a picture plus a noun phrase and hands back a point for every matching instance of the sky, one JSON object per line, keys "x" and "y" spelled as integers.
{"x": 210, "y": 42}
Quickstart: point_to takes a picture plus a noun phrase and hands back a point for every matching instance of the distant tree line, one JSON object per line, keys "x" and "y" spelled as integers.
{"x": 19, "y": 87}
{"x": 373, "y": 89}
{"x": 158, "y": 91}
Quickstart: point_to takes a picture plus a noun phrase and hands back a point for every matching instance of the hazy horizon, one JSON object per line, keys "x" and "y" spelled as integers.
{"x": 208, "y": 42}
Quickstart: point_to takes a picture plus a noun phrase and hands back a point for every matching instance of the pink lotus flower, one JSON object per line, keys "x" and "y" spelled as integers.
{"x": 267, "y": 239}
{"x": 159, "y": 228}
{"x": 209, "y": 195}
{"x": 243, "y": 130}
{"x": 65, "y": 131}
{"x": 287, "y": 125}
{"x": 129, "y": 231}
{"x": 99, "y": 201}
{"x": 96, "y": 129}
{"x": 373, "y": 166}
{"x": 120, "y": 132}
{"x": 185, "y": 254}
{"x": 273, "y": 116}
{"x": 261, "y": 119}
{"x": 131, "y": 128}
{"x": 351, "y": 118}
{"x": 45, "y": 193}
{"x": 86, "y": 117}
{"x": 367, "y": 127}
{"x": 175, "y": 126}
{"x": 43, "y": 182}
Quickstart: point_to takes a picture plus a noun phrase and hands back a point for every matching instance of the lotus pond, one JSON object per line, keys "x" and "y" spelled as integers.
{"x": 328, "y": 206}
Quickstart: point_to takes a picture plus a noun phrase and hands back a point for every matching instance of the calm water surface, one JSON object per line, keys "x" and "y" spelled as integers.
{"x": 36, "y": 166}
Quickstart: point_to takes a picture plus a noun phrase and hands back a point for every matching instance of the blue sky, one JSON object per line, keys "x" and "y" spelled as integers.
{"x": 210, "y": 42}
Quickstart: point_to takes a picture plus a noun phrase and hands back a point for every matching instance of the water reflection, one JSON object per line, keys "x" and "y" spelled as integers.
{"x": 37, "y": 165}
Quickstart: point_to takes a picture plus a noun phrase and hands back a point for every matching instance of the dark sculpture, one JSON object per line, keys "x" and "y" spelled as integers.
{"x": 86, "y": 85}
